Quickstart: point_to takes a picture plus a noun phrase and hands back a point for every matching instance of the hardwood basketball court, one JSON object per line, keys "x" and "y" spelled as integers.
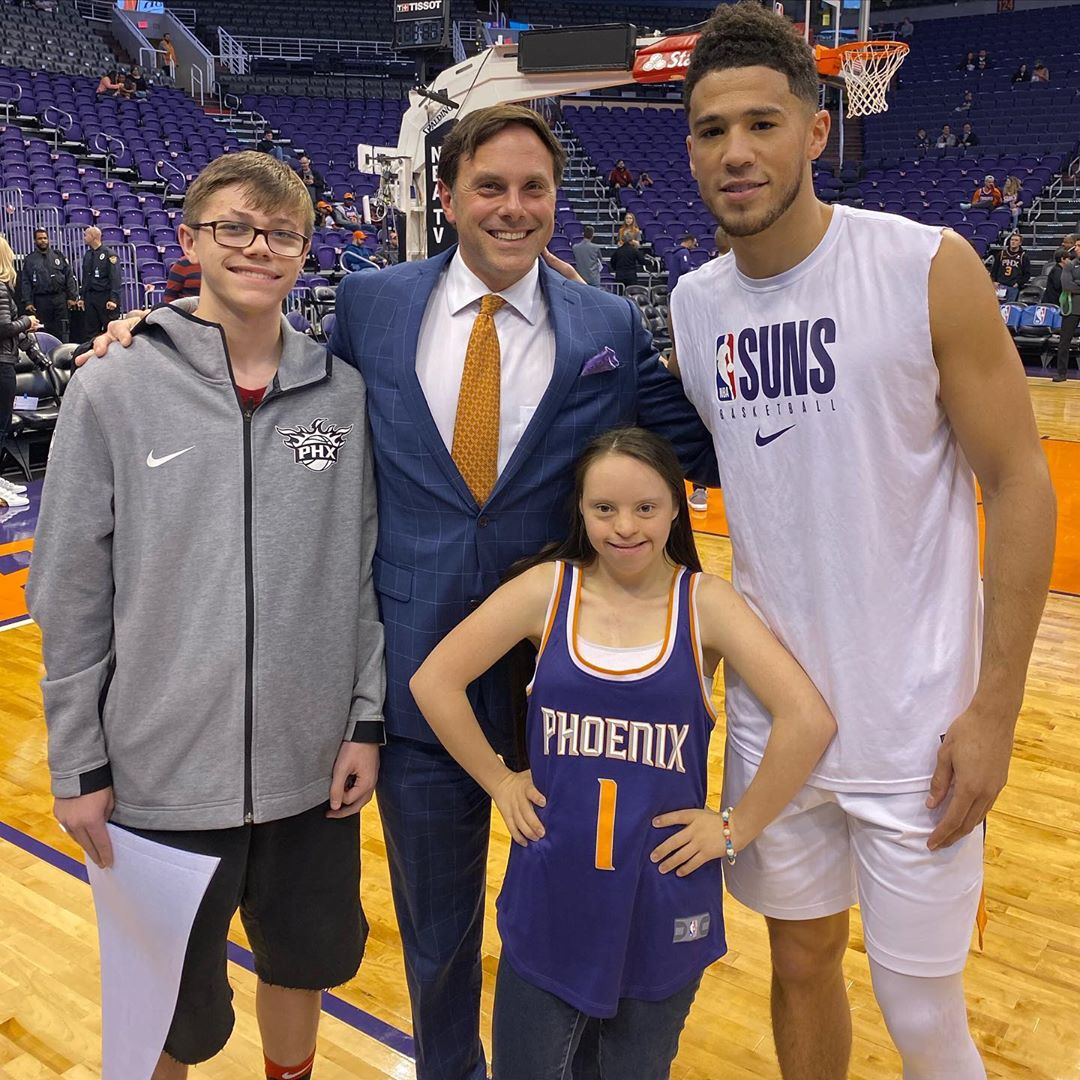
{"x": 1023, "y": 988}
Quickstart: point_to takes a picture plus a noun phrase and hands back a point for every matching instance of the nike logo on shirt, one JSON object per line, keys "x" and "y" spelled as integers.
{"x": 764, "y": 440}
{"x": 153, "y": 462}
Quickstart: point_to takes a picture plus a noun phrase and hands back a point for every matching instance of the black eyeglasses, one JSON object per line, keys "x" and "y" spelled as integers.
{"x": 235, "y": 234}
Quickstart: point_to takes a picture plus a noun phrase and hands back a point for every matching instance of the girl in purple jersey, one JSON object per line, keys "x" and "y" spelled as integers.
{"x": 611, "y": 903}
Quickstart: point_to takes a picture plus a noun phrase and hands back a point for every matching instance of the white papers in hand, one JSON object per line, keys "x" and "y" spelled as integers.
{"x": 145, "y": 903}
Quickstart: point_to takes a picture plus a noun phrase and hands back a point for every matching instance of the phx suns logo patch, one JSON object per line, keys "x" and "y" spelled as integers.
{"x": 315, "y": 447}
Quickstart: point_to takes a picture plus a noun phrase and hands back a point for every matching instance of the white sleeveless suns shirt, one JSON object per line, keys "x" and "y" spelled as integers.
{"x": 850, "y": 504}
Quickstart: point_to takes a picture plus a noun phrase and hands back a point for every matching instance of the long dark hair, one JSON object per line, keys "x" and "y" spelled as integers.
{"x": 651, "y": 450}
{"x": 659, "y": 455}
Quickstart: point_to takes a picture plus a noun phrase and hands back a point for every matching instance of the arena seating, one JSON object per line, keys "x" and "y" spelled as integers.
{"x": 58, "y": 41}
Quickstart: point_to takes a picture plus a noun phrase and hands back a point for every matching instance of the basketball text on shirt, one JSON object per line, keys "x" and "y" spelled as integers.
{"x": 788, "y": 359}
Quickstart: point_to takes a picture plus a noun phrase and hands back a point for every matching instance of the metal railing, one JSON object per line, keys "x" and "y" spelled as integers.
{"x": 106, "y": 144}
{"x": 10, "y": 96}
{"x": 187, "y": 15}
{"x": 198, "y": 91}
{"x": 20, "y": 222}
{"x": 96, "y": 10}
{"x": 232, "y": 54}
{"x": 171, "y": 176}
{"x": 278, "y": 48}
{"x": 60, "y": 121}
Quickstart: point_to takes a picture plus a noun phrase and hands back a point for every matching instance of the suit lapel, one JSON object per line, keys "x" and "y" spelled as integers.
{"x": 412, "y": 393}
{"x": 563, "y": 310}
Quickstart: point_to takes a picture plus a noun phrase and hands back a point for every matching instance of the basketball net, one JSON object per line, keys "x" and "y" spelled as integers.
{"x": 867, "y": 68}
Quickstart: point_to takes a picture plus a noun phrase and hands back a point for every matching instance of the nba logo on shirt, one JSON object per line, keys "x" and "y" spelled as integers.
{"x": 726, "y": 386}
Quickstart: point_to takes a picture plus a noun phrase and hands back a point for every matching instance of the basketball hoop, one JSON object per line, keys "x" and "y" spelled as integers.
{"x": 866, "y": 68}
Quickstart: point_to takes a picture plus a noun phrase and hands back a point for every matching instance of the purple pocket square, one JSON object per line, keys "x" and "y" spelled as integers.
{"x": 604, "y": 360}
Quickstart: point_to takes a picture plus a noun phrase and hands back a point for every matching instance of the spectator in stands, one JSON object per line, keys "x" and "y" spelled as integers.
{"x": 312, "y": 179}
{"x": 679, "y": 261}
{"x": 185, "y": 279}
{"x": 987, "y": 194}
{"x": 982, "y": 61}
{"x": 626, "y": 261}
{"x": 946, "y": 138}
{"x": 968, "y": 63}
{"x": 967, "y": 136}
{"x": 1010, "y": 197}
{"x": 588, "y": 258}
{"x": 922, "y": 140}
{"x": 324, "y": 215}
{"x": 619, "y": 177}
{"x": 1070, "y": 310}
{"x": 387, "y": 250}
{"x": 1011, "y": 269}
{"x": 168, "y": 54}
{"x": 1067, "y": 245}
{"x": 968, "y": 103}
{"x": 12, "y": 327}
{"x": 355, "y": 257}
{"x": 905, "y": 29}
{"x": 1021, "y": 74}
{"x": 644, "y": 181}
{"x": 629, "y": 230}
{"x": 266, "y": 145}
{"x": 1041, "y": 74}
{"x": 347, "y": 215}
{"x": 1052, "y": 292}
{"x": 110, "y": 85}
{"x": 47, "y": 286}
{"x": 100, "y": 284}
{"x": 139, "y": 82}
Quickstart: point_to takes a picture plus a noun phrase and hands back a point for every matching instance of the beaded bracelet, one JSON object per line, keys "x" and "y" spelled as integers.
{"x": 729, "y": 847}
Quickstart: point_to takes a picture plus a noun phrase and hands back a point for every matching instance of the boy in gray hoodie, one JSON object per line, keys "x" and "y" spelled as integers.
{"x": 202, "y": 579}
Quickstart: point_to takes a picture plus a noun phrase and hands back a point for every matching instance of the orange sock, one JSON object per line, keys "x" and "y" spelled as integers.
{"x": 274, "y": 1071}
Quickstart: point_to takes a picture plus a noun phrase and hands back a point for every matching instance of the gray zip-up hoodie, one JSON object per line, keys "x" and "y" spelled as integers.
{"x": 202, "y": 579}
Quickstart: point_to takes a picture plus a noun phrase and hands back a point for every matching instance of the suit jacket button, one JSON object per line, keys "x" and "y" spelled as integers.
{"x": 482, "y": 521}
{"x": 474, "y": 603}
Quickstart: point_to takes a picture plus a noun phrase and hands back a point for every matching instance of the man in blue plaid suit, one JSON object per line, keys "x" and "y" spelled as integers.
{"x": 575, "y": 361}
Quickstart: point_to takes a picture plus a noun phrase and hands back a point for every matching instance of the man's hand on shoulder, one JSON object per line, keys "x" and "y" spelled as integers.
{"x": 119, "y": 330}
{"x": 562, "y": 267}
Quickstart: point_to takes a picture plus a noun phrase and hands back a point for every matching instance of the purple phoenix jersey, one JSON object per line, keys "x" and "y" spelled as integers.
{"x": 583, "y": 913}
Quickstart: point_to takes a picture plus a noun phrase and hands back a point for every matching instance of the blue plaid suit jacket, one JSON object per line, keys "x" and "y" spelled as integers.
{"x": 439, "y": 554}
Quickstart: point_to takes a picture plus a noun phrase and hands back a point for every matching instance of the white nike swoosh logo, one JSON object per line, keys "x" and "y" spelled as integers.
{"x": 293, "y": 1076}
{"x": 153, "y": 462}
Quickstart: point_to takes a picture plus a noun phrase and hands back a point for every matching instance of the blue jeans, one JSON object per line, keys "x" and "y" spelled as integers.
{"x": 536, "y": 1035}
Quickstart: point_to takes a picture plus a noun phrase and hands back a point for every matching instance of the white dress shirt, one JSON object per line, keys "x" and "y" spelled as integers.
{"x": 526, "y": 348}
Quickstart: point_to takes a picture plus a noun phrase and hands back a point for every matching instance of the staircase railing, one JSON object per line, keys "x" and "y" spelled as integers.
{"x": 59, "y": 120}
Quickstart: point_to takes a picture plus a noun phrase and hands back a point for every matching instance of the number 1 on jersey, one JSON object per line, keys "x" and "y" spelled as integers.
{"x": 605, "y": 825}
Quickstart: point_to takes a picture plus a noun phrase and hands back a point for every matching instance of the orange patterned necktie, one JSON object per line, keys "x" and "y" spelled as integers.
{"x": 476, "y": 426}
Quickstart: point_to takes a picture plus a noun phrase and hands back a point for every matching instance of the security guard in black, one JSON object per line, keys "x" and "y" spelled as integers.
{"x": 100, "y": 284}
{"x": 47, "y": 286}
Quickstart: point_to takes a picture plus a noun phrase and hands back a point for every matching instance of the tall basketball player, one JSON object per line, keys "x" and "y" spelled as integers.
{"x": 855, "y": 373}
